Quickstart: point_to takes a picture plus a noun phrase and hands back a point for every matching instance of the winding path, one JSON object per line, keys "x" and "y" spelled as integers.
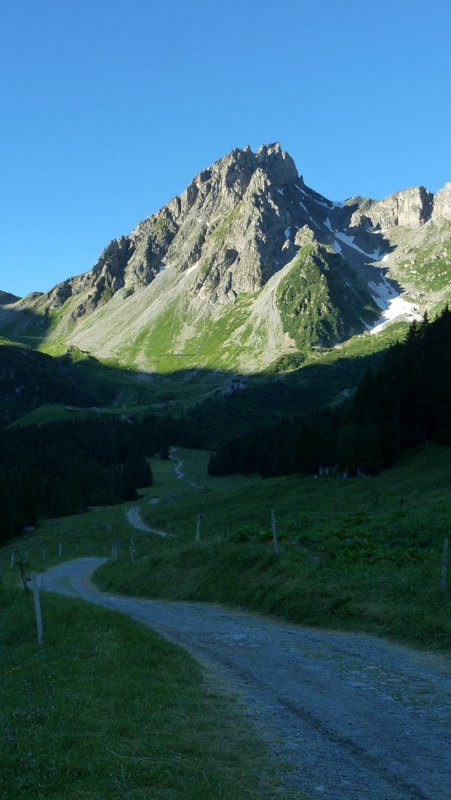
{"x": 354, "y": 717}
{"x": 178, "y": 469}
{"x": 134, "y": 518}
{"x": 134, "y": 515}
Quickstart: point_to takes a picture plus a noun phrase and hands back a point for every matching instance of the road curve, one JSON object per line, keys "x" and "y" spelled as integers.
{"x": 181, "y": 476}
{"x": 354, "y": 717}
{"x": 135, "y": 520}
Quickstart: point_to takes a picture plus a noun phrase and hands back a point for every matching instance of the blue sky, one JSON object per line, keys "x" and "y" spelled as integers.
{"x": 109, "y": 108}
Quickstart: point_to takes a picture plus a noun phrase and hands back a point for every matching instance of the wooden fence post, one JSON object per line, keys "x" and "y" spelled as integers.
{"x": 274, "y": 532}
{"x": 21, "y": 566}
{"x": 444, "y": 570}
{"x": 37, "y": 607}
{"x": 198, "y": 529}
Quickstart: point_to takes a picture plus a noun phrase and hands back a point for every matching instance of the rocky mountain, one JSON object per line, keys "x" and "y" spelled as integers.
{"x": 246, "y": 267}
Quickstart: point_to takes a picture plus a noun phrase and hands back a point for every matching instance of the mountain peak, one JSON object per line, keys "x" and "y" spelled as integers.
{"x": 238, "y": 166}
{"x": 277, "y": 163}
{"x": 248, "y": 231}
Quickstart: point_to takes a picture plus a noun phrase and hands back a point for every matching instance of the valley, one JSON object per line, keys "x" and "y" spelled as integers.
{"x": 253, "y": 360}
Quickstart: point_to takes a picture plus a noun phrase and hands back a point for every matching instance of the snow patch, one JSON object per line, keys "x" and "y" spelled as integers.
{"x": 382, "y": 292}
{"x": 349, "y": 241}
{"x": 336, "y": 245}
{"x": 392, "y": 304}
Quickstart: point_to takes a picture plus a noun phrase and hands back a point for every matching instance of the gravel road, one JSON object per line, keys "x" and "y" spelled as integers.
{"x": 354, "y": 717}
{"x": 178, "y": 469}
{"x": 134, "y": 518}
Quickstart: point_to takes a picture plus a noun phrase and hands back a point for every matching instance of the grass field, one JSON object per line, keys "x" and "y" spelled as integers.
{"x": 357, "y": 554}
{"x": 108, "y": 709}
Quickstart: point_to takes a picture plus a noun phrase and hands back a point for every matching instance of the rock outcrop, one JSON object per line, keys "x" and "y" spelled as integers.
{"x": 442, "y": 203}
{"x": 410, "y": 208}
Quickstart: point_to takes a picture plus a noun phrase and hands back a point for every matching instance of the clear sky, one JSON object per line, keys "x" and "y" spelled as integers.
{"x": 110, "y": 107}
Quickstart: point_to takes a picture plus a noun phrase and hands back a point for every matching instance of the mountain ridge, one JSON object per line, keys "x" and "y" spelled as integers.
{"x": 198, "y": 282}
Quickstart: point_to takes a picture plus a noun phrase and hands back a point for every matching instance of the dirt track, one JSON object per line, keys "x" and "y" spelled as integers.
{"x": 134, "y": 518}
{"x": 355, "y": 717}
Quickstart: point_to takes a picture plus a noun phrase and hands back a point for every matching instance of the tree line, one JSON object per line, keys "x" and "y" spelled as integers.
{"x": 403, "y": 402}
{"x": 59, "y": 469}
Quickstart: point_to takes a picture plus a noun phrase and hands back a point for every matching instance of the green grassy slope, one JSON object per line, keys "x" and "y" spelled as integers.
{"x": 6, "y": 298}
{"x": 29, "y": 379}
{"x": 356, "y": 554}
{"x": 363, "y": 555}
{"x": 166, "y": 329}
{"x": 323, "y": 375}
{"x": 108, "y": 709}
{"x": 317, "y": 303}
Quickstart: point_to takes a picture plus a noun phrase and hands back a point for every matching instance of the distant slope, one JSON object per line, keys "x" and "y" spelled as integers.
{"x": 29, "y": 379}
{"x": 6, "y": 298}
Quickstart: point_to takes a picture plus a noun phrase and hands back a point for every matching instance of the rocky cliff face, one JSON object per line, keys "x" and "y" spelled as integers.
{"x": 231, "y": 219}
{"x": 410, "y": 208}
{"x": 442, "y": 203}
{"x": 237, "y": 223}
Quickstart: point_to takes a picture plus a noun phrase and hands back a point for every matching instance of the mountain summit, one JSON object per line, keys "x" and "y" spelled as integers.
{"x": 247, "y": 265}
{"x": 229, "y": 222}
